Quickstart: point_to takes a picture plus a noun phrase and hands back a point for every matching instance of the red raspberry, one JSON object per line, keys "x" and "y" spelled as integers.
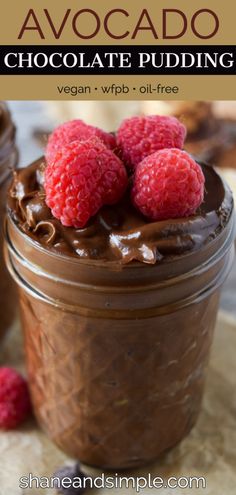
{"x": 139, "y": 137}
{"x": 168, "y": 184}
{"x": 15, "y": 403}
{"x": 83, "y": 177}
{"x": 75, "y": 130}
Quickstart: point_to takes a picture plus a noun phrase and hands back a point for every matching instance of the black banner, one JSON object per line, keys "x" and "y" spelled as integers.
{"x": 118, "y": 60}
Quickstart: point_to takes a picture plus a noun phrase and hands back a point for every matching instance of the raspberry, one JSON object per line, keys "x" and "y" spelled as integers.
{"x": 168, "y": 184}
{"x": 75, "y": 130}
{"x": 83, "y": 177}
{"x": 15, "y": 403}
{"x": 139, "y": 137}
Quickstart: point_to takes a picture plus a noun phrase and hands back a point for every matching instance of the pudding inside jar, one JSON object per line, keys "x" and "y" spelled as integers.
{"x": 118, "y": 318}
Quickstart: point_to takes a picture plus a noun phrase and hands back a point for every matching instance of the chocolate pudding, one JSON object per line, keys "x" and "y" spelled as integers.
{"x": 8, "y": 160}
{"x": 118, "y": 318}
{"x": 216, "y": 144}
{"x": 209, "y": 137}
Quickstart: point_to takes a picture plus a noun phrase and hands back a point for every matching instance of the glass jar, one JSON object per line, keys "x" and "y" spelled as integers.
{"x": 117, "y": 355}
{"x": 8, "y": 161}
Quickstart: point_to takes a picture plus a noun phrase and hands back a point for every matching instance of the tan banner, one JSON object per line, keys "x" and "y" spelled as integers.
{"x": 120, "y": 88}
{"x": 117, "y": 22}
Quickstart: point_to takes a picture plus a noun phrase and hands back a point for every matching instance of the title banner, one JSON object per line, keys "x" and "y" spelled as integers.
{"x": 112, "y": 60}
{"x": 75, "y": 44}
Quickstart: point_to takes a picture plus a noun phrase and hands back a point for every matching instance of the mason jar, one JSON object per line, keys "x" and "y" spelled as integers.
{"x": 117, "y": 355}
{"x": 8, "y": 161}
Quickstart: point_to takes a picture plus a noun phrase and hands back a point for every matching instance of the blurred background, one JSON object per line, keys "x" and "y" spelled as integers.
{"x": 32, "y": 118}
{"x": 211, "y": 135}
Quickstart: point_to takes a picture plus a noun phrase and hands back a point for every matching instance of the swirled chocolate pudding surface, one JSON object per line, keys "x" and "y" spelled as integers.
{"x": 117, "y": 233}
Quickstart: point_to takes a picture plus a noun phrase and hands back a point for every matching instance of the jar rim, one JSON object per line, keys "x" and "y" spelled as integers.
{"x": 154, "y": 286}
{"x": 102, "y": 312}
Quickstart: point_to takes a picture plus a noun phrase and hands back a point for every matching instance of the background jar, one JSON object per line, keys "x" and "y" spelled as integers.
{"x": 8, "y": 161}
